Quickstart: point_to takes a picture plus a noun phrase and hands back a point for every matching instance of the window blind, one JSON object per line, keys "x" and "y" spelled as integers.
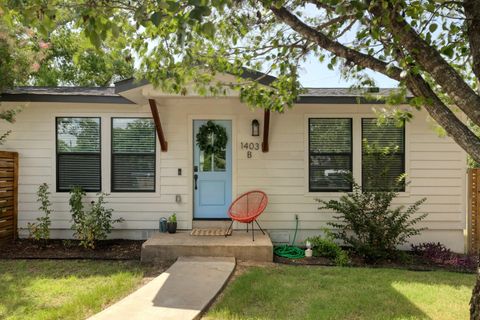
{"x": 133, "y": 154}
{"x": 330, "y": 154}
{"x": 78, "y": 154}
{"x": 383, "y": 156}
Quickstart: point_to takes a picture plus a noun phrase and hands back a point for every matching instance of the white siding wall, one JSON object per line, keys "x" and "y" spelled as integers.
{"x": 436, "y": 166}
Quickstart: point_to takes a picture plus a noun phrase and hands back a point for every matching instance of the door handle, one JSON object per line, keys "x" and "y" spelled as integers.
{"x": 195, "y": 178}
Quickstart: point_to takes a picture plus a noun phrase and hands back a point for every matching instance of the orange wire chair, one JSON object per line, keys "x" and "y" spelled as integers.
{"x": 247, "y": 208}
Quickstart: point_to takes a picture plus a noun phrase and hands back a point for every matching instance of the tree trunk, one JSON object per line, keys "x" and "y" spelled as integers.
{"x": 475, "y": 301}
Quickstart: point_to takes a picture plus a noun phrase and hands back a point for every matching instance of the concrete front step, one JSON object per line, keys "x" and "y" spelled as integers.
{"x": 165, "y": 246}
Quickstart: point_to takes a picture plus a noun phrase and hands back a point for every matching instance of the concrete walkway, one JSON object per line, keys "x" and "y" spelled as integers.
{"x": 181, "y": 292}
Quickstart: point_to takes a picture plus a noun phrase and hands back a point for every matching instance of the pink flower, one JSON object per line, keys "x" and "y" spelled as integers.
{"x": 43, "y": 45}
{"x": 35, "y": 67}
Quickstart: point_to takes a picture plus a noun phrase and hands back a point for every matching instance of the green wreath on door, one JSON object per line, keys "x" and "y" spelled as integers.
{"x": 204, "y": 140}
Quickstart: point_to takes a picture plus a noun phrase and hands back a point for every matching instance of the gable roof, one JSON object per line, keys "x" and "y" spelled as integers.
{"x": 114, "y": 95}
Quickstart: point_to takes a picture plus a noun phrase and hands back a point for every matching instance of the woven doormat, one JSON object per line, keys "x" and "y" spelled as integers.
{"x": 210, "y": 232}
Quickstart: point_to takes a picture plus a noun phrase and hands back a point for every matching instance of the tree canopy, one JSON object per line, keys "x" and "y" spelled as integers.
{"x": 54, "y": 55}
{"x": 72, "y": 60}
{"x": 431, "y": 47}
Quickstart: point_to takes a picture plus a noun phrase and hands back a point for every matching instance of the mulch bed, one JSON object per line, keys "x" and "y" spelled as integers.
{"x": 69, "y": 249}
{"x": 410, "y": 262}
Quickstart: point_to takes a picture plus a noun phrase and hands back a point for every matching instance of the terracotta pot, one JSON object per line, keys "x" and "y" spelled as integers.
{"x": 171, "y": 227}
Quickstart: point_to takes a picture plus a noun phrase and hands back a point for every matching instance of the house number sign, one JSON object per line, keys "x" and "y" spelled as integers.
{"x": 249, "y": 147}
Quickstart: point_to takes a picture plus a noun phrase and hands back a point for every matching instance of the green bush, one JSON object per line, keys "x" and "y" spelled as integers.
{"x": 342, "y": 259}
{"x": 40, "y": 231}
{"x": 368, "y": 224}
{"x": 90, "y": 225}
{"x": 326, "y": 247}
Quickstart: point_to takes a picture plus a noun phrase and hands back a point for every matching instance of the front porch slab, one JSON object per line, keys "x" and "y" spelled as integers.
{"x": 165, "y": 246}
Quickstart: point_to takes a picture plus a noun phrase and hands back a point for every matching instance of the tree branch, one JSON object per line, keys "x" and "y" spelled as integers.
{"x": 415, "y": 83}
{"x": 472, "y": 13}
{"x": 433, "y": 63}
{"x": 445, "y": 117}
{"x": 335, "y": 47}
{"x": 336, "y": 20}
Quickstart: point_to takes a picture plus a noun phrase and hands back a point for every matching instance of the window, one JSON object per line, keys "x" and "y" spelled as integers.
{"x": 330, "y": 154}
{"x": 78, "y": 154}
{"x": 383, "y": 155}
{"x": 133, "y": 155}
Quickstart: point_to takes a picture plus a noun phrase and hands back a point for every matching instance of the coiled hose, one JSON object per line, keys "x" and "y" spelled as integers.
{"x": 290, "y": 251}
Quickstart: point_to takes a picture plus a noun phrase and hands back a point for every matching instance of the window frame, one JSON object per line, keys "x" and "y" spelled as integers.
{"x": 329, "y": 153}
{"x": 99, "y": 153}
{"x": 404, "y": 153}
{"x": 112, "y": 154}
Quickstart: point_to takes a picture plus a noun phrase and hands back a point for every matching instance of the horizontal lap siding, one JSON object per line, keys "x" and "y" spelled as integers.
{"x": 33, "y": 137}
{"x": 436, "y": 166}
{"x": 436, "y": 170}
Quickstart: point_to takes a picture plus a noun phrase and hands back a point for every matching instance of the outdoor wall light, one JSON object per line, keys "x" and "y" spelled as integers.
{"x": 255, "y": 128}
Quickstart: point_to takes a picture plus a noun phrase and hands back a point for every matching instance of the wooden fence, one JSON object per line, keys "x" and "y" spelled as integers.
{"x": 8, "y": 195}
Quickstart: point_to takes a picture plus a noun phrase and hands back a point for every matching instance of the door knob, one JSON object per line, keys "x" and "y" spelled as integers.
{"x": 195, "y": 178}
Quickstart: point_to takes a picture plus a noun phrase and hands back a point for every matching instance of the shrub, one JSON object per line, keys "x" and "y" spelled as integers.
{"x": 342, "y": 259}
{"x": 41, "y": 229}
{"x": 368, "y": 224}
{"x": 439, "y": 254}
{"x": 435, "y": 252}
{"x": 326, "y": 247}
{"x": 90, "y": 225}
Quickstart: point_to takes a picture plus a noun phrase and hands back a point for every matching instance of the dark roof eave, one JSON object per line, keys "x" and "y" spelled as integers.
{"x": 337, "y": 100}
{"x": 74, "y": 98}
{"x": 128, "y": 84}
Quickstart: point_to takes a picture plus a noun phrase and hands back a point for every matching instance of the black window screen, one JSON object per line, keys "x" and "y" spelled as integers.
{"x": 330, "y": 154}
{"x": 133, "y": 154}
{"x": 78, "y": 154}
{"x": 383, "y": 155}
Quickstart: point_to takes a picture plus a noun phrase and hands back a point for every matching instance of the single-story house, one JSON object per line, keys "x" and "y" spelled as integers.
{"x": 141, "y": 146}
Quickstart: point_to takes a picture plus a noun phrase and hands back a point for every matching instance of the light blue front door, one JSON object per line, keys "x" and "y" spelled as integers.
{"x": 212, "y": 172}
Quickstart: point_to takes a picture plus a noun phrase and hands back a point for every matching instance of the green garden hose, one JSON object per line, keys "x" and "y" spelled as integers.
{"x": 290, "y": 251}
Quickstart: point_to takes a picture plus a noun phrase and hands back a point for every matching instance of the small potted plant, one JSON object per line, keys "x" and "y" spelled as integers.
{"x": 172, "y": 223}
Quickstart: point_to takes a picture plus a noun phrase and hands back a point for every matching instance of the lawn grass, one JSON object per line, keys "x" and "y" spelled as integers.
{"x": 286, "y": 292}
{"x": 63, "y": 289}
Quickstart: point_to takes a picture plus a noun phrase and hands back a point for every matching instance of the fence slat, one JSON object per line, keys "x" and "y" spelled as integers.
{"x": 8, "y": 196}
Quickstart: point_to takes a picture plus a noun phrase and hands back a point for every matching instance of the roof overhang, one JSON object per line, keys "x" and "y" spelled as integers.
{"x": 25, "y": 97}
{"x": 133, "y": 91}
{"x": 306, "y": 99}
{"x": 65, "y": 94}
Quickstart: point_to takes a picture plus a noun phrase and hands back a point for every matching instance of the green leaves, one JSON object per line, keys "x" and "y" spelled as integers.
{"x": 199, "y": 12}
{"x": 186, "y": 43}
{"x": 367, "y": 222}
{"x": 448, "y": 51}
{"x": 156, "y": 18}
{"x": 93, "y": 224}
{"x": 208, "y": 29}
